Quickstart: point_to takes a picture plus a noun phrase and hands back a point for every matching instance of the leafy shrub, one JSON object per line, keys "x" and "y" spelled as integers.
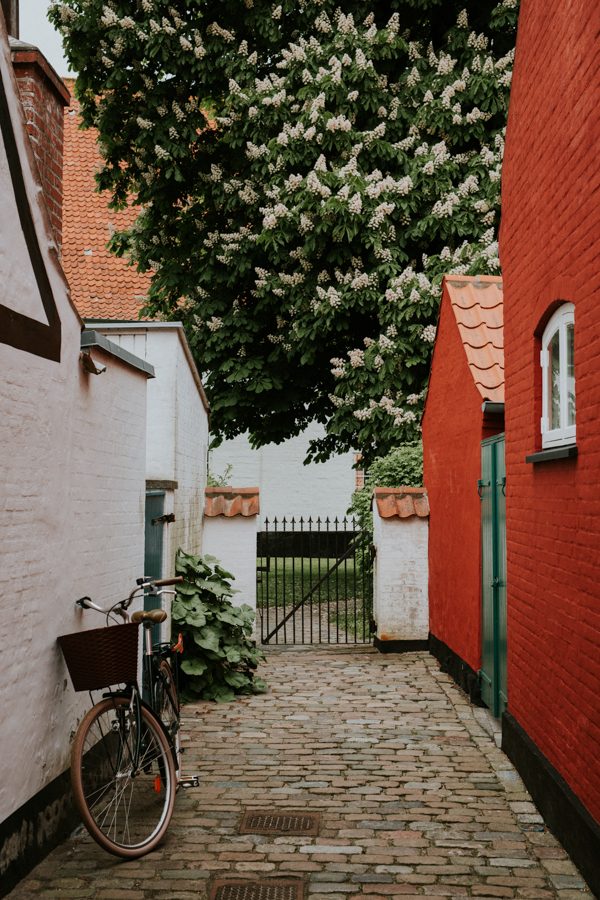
{"x": 220, "y": 656}
{"x": 402, "y": 467}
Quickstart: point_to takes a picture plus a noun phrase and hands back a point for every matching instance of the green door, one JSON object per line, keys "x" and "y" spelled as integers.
{"x": 153, "y": 547}
{"x": 493, "y": 567}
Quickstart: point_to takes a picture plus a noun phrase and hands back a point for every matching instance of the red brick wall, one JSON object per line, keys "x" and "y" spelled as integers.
{"x": 44, "y": 97}
{"x": 550, "y": 250}
{"x": 452, "y": 434}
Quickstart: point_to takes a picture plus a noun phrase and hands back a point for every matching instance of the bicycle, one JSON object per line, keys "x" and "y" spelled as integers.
{"x": 125, "y": 758}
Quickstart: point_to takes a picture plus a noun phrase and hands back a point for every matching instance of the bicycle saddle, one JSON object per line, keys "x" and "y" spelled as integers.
{"x": 156, "y": 616}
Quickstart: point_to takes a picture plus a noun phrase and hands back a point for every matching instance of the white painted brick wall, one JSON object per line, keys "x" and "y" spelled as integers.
{"x": 400, "y": 603}
{"x": 72, "y": 503}
{"x": 287, "y": 487}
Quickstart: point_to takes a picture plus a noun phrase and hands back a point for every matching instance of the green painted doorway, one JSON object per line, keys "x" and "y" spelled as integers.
{"x": 153, "y": 547}
{"x": 492, "y": 490}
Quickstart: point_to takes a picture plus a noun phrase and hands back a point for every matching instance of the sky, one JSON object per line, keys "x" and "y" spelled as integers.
{"x": 36, "y": 29}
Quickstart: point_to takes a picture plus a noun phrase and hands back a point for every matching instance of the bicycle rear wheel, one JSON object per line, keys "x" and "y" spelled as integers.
{"x": 123, "y": 777}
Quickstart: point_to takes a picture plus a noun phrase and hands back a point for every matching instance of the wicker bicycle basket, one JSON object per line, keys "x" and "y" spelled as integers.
{"x": 101, "y": 657}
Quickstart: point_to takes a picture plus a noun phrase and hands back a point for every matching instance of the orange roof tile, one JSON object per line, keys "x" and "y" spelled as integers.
{"x": 232, "y": 501}
{"x": 103, "y": 286}
{"x": 477, "y": 303}
{"x": 402, "y": 502}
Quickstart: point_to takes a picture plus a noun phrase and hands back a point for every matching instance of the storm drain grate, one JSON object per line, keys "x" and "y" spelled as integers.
{"x": 274, "y": 821}
{"x": 267, "y": 889}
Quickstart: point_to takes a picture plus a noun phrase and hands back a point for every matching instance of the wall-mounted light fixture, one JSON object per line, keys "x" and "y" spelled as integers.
{"x": 90, "y": 365}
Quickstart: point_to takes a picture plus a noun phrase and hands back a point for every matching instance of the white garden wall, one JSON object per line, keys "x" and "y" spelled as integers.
{"x": 400, "y": 535}
{"x": 230, "y": 530}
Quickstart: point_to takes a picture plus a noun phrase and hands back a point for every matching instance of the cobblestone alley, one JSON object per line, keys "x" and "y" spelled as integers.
{"x": 416, "y": 799}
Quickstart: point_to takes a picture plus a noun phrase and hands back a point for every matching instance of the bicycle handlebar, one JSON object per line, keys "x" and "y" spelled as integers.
{"x": 163, "y": 582}
{"x": 122, "y": 605}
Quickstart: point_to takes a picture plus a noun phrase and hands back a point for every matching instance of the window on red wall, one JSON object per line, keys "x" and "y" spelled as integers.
{"x": 558, "y": 378}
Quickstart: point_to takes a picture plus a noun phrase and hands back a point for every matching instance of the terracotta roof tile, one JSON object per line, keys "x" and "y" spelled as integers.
{"x": 103, "y": 286}
{"x": 232, "y": 501}
{"x": 402, "y": 502}
{"x": 477, "y": 303}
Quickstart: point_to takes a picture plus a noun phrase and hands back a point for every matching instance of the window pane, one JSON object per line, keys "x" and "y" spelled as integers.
{"x": 570, "y": 374}
{"x": 554, "y": 385}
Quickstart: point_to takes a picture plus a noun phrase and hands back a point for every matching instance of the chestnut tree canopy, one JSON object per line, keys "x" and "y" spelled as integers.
{"x": 305, "y": 174}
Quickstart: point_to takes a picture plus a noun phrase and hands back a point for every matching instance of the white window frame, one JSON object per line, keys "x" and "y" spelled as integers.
{"x": 565, "y": 434}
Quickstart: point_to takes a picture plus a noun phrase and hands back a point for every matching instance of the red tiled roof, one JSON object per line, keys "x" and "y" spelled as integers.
{"x": 477, "y": 303}
{"x": 231, "y": 501}
{"x": 402, "y": 502}
{"x": 103, "y": 286}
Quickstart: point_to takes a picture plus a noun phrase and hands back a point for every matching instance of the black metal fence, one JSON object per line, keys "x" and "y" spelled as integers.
{"x": 314, "y": 582}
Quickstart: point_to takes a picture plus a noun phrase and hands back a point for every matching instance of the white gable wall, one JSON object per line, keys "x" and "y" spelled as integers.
{"x": 177, "y": 430}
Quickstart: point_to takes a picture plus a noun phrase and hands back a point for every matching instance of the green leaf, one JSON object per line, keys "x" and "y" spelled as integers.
{"x": 194, "y": 666}
{"x": 207, "y": 638}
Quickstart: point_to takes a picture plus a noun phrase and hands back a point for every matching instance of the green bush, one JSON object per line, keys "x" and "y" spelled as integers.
{"x": 402, "y": 467}
{"x": 219, "y": 656}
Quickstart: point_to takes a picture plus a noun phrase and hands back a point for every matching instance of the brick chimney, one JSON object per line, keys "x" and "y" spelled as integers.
{"x": 44, "y": 96}
{"x": 10, "y": 8}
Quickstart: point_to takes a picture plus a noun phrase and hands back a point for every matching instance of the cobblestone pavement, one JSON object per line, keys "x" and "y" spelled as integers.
{"x": 416, "y": 798}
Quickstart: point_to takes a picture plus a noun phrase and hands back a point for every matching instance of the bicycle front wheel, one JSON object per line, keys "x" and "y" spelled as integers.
{"x": 123, "y": 777}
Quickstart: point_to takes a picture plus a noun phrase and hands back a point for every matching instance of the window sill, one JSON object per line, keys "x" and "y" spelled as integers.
{"x": 569, "y": 451}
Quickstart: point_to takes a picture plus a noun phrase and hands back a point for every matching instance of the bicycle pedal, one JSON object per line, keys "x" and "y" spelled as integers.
{"x": 191, "y": 781}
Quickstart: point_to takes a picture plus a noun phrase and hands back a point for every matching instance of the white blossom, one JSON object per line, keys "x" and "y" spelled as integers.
{"x": 355, "y": 204}
{"x": 357, "y": 358}
{"x": 381, "y": 211}
{"x": 338, "y": 123}
{"x": 215, "y": 29}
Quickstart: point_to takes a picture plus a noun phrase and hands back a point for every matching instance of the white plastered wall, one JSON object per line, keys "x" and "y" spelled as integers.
{"x": 400, "y": 601}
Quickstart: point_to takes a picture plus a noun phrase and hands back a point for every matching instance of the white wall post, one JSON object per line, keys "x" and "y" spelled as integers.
{"x": 230, "y": 534}
{"x": 400, "y": 597}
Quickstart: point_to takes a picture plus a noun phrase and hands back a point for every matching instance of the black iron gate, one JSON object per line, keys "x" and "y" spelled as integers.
{"x": 314, "y": 582}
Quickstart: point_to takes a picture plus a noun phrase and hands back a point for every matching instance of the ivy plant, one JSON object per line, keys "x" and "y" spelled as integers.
{"x": 220, "y": 657}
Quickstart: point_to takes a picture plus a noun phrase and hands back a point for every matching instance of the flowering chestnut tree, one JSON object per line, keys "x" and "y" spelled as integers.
{"x": 305, "y": 174}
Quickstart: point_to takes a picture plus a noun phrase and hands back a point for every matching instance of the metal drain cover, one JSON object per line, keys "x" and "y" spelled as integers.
{"x": 275, "y": 821}
{"x": 267, "y": 889}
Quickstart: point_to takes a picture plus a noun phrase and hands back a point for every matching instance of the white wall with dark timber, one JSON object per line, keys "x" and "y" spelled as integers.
{"x": 72, "y": 451}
